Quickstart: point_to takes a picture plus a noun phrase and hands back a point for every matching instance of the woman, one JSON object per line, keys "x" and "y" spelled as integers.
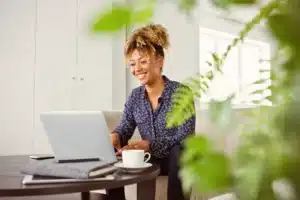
{"x": 147, "y": 107}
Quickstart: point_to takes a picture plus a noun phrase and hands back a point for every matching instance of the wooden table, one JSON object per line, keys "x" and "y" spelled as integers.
{"x": 11, "y": 182}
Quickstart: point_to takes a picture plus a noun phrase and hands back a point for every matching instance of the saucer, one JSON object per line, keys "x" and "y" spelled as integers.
{"x": 120, "y": 165}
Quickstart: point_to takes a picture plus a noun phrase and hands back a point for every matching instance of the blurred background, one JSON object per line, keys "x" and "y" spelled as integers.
{"x": 50, "y": 59}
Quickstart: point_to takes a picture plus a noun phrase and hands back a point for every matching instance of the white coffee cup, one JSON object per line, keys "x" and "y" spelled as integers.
{"x": 135, "y": 158}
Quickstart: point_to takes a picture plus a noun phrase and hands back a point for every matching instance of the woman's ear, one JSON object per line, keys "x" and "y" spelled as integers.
{"x": 161, "y": 61}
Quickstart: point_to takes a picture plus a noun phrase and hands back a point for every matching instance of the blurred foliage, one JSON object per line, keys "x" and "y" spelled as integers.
{"x": 119, "y": 15}
{"x": 187, "y": 5}
{"x": 269, "y": 138}
{"x": 200, "y": 160}
{"x": 227, "y": 3}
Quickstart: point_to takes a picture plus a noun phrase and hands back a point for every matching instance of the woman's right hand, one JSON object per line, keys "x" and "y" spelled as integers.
{"x": 115, "y": 140}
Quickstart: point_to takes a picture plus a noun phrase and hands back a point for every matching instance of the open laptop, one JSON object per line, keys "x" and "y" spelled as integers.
{"x": 78, "y": 136}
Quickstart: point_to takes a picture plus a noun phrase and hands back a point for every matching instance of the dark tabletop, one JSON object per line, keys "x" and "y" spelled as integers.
{"x": 11, "y": 180}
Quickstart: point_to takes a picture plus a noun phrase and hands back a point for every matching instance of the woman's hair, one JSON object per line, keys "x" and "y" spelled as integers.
{"x": 152, "y": 39}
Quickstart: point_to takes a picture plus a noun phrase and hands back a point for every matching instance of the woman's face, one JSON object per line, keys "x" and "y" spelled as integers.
{"x": 146, "y": 69}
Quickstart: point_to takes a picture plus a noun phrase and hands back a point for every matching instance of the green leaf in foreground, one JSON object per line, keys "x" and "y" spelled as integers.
{"x": 182, "y": 107}
{"x": 203, "y": 167}
{"x": 244, "y": 2}
{"x": 286, "y": 28}
{"x": 187, "y": 5}
{"x": 221, "y": 3}
{"x": 196, "y": 146}
{"x": 227, "y": 3}
{"x": 142, "y": 15}
{"x": 113, "y": 19}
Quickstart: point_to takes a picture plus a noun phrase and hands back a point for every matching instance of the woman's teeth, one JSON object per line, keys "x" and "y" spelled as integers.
{"x": 141, "y": 76}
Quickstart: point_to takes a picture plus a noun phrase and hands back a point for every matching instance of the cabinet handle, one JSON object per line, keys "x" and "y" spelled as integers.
{"x": 82, "y": 79}
{"x": 73, "y": 77}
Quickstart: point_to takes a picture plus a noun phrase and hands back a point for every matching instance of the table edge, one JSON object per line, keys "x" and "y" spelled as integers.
{"x": 75, "y": 187}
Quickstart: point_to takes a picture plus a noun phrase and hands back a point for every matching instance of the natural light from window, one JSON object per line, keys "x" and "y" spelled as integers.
{"x": 241, "y": 68}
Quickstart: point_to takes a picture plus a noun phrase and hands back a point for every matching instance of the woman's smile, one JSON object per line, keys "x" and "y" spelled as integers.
{"x": 141, "y": 76}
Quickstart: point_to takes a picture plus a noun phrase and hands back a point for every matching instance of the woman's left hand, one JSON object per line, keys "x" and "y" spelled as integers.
{"x": 141, "y": 144}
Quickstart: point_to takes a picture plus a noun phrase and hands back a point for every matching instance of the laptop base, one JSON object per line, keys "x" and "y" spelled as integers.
{"x": 78, "y": 160}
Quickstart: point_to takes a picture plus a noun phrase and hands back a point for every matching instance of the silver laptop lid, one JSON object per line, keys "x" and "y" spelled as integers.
{"x": 77, "y": 135}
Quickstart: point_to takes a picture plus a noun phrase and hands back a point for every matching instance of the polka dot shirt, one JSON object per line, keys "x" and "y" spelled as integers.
{"x": 152, "y": 123}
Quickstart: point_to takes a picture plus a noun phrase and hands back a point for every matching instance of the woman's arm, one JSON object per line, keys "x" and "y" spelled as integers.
{"x": 124, "y": 131}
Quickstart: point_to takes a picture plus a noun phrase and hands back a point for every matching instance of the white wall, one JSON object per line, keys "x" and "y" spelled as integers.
{"x": 17, "y": 47}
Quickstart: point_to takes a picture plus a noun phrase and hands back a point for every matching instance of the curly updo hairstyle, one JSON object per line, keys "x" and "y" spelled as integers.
{"x": 152, "y": 39}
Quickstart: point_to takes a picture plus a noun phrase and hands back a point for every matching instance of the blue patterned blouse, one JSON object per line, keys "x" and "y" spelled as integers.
{"x": 152, "y": 123}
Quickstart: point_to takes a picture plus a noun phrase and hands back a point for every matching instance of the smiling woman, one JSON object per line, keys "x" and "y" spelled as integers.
{"x": 147, "y": 108}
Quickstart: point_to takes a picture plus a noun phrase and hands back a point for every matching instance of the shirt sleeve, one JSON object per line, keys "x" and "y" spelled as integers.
{"x": 127, "y": 124}
{"x": 161, "y": 146}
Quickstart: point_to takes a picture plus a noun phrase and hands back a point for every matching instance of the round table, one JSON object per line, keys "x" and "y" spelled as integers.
{"x": 11, "y": 182}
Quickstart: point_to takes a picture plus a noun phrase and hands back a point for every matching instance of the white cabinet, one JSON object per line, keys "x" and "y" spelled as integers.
{"x": 49, "y": 60}
{"x": 56, "y": 50}
{"x": 73, "y": 67}
{"x": 95, "y": 55}
{"x": 17, "y": 22}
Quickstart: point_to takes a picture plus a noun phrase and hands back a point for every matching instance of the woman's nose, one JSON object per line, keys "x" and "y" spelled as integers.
{"x": 138, "y": 67}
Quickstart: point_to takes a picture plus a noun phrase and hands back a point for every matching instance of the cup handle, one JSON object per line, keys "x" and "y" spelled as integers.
{"x": 148, "y": 156}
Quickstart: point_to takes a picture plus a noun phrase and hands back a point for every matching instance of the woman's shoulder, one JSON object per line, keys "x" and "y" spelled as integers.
{"x": 136, "y": 92}
{"x": 175, "y": 85}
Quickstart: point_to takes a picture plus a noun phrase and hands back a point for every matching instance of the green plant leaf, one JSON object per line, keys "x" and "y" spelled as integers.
{"x": 256, "y": 102}
{"x": 112, "y": 20}
{"x": 209, "y": 63}
{"x": 261, "y": 91}
{"x": 247, "y": 175}
{"x": 211, "y": 173}
{"x": 264, "y": 70}
{"x": 221, "y": 3}
{"x": 182, "y": 107}
{"x": 217, "y": 61}
{"x": 204, "y": 83}
{"x": 210, "y": 75}
{"x": 203, "y": 167}
{"x": 286, "y": 28}
{"x": 261, "y": 81}
{"x": 187, "y": 5}
{"x": 244, "y": 2}
{"x": 142, "y": 15}
{"x": 224, "y": 4}
{"x": 195, "y": 147}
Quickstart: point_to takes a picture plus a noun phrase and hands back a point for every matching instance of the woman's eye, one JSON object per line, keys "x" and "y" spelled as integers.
{"x": 131, "y": 64}
{"x": 144, "y": 62}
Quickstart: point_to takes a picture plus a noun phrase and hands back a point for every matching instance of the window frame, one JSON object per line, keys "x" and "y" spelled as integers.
{"x": 263, "y": 44}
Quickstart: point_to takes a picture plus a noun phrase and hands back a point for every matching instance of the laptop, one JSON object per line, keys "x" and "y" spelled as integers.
{"x": 77, "y": 136}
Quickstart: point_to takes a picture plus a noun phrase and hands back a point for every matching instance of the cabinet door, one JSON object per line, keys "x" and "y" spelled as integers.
{"x": 94, "y": 60}
{"x": 55, "y": 62}
{"x": 17, "y": 22}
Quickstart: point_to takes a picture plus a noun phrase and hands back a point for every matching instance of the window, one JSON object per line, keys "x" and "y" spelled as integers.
{"x": 240, "y": 69}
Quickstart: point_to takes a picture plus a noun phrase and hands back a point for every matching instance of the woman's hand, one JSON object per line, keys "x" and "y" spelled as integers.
{"x": 141, "y": 144}
{"x": 115, "y": 140}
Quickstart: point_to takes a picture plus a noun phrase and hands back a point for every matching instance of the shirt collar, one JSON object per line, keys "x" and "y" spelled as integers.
{"x": 165, "y": 91}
